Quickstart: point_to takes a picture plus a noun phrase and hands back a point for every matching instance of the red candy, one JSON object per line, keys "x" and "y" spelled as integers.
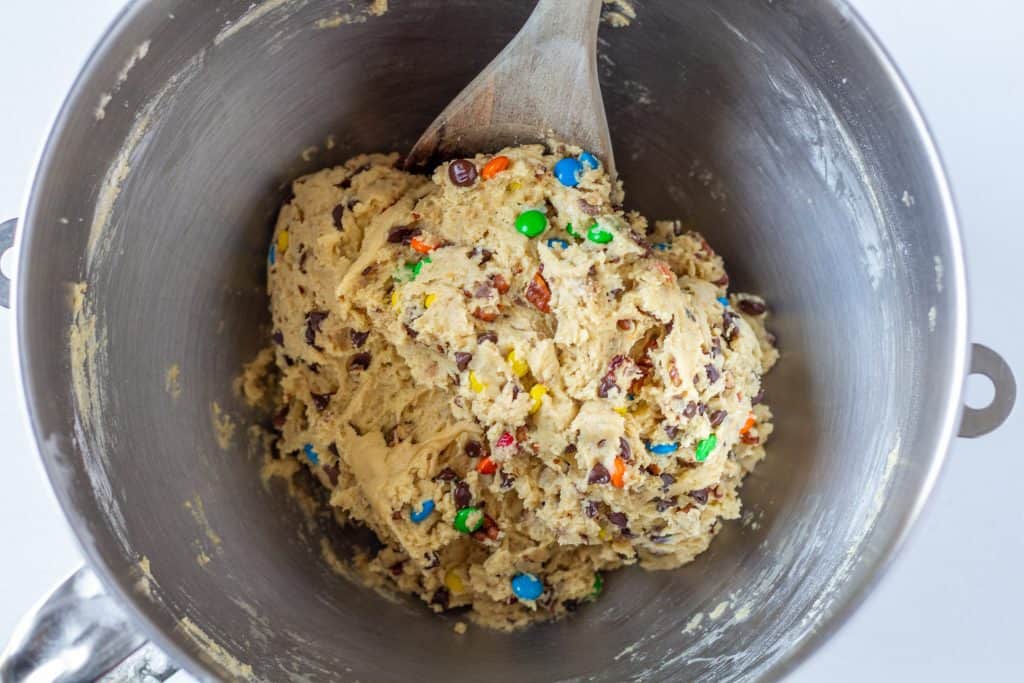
{"x": 505, "y": 440}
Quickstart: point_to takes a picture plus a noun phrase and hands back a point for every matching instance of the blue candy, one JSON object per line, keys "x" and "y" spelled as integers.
{"x": 527, "y": 586}
{"x": 554, "y": 241}
{"x": 272, "y": 254}
{"x": 589, "y": 160}
{"x": 662, "y": 448}
{"x": 724, "y": 301}
{"x": 311, "y": 454}
{"x": 568, "y": 172}
{"x": 661, "y": 246}
{"x": 426, "y": 507}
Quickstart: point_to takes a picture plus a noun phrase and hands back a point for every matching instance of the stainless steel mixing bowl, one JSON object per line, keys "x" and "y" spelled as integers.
{"x": 779, "y": 129}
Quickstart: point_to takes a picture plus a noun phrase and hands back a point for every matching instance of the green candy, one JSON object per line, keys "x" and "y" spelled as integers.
{"x": 598, "y": 586}
{"x": 405, "y": 273}
{"x": 468, "y": 520}
{"x": 419, "y": 266}
{"x": 705, "y": 447}
{"x": 531, "y": 223}
{"x": 568, "y": 229}
{"x": 598, "y": 234}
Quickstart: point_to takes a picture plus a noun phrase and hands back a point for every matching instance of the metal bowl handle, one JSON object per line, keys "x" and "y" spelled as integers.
{"x": 80, "y": 633}
{"x": 980, "y": 421}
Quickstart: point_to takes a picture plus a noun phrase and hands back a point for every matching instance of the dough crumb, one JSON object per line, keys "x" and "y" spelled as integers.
{"x": 223, "y": 426}
{"x": 460, "y": 627}
{"x": 172, "y": 383}
{"x": 618, "y": 13}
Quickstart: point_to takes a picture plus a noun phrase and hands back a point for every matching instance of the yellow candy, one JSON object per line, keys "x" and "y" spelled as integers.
{"x": 429, "y": 300}
{"x": 282, "y": 242}
{"x": 537, "y": 394}
{"x": 454, "y": 582}
{"x": 621, "y": 410}
{"x": 475, "y": 384}
{"x": 514, "y": 185}
{"x": 394, "y": 299}
{"x": 603, "y": 534}
{"x": 519, "y": 367}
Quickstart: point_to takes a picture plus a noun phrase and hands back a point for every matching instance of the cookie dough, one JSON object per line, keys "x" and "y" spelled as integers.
{"x": 514, "y": 383}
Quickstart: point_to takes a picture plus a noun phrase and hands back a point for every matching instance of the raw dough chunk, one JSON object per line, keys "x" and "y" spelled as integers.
{"x": 596, "y": 403}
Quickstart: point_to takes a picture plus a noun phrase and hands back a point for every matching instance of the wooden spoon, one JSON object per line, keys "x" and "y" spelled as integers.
{"x": 543, "y": 85}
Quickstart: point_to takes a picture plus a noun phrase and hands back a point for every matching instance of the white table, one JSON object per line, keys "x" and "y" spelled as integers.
{"x": 948, "y": 610}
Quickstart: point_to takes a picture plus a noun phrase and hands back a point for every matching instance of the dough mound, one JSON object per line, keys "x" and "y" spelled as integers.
{"x": 596, "y": 403}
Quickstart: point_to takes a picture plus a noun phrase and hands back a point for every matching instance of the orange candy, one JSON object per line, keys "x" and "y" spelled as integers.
{"x": 494, "y": 167}
{"x": 619, "y": 473}
{"x": 420, "y": 246}
{"x": 748, "y": 425}
{"x": 486, "y": 466}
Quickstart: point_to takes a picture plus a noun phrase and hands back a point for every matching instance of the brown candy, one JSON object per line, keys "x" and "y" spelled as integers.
{"x": 462, "y": 172}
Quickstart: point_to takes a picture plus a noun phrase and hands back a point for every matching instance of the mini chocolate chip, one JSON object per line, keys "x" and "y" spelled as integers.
{"x": 358, "y": 338}
{"x": 402, "y": 234}
{"x": 690, "y": 410}
{"x": 441, "y": 598}
{"x": 360, "y": 361}
{"x": 507, "y": 480}
{"x": 606, "y": 385}
{"x": 314, "y": 368}
{"x": 462, "y": 359}
{"x": 590, "y": 509}
{"x": 432, "y": 560}
{"x": 571, "y": 605}
{"x": 702, "y": 408}
{"x": 670, "y": 431}
{"x": 599, "y": 475}
{"x": 588, "y": 208}
{"x": 718, "y": 417}
{"x": 758, "y": 397}
{"x": 321, "y": 401}
{"x": 409, "y": 331}
{"x": 662, "y": 504}
{"x": 447, "y": 474}
{"x": 619, "y": 519}
{"x": 474, "y": 449}
{"x": 396, "y": 515}
{"x": 666, "y": 480}
{"x": 722, "y": 281}
{"x": 713, "y": 373}
{"x": 729, "y": 328}
{"x": 653, "y": 469}
{"x": 751, "y": 307}
{"x": 344, "y": 184}
{"x": 313, "y": 321}
{"x": 484, "y": 255}
{"x": 352, "y": 203}
{"x": 700, "y": 495}
{"x": 483, "y": 290}
{"x": 660, "y": 539}
{"x": 396, "y": 568}
{"x": 332, "y": 472}
{"x": 462, "y": 495}
{"x": 625, "y": 451}
{"x": 462, "y": 172}
{"x": 278, "y": 337}
{"x": 487, "y": 337}
{"x": 280, "y": 418}
{"x": 333, "y": 448}
{"x": 337, "y": 214}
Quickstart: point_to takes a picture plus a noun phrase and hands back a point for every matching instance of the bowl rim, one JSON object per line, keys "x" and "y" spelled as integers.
{"x": 832, "y": 618}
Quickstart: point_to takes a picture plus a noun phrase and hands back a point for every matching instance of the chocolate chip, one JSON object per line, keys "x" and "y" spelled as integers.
{"x": 462, "y": 172}
{"x": 441, "y": 597}
{"x": 588, "y": 208}
{"x": 333, "y": 448}
{"x": 590, "y": 509}
{"x": 447, "y": 474}
{"x": 619, "y": 519}
{"x": 337, "y": 214}
{"x": 751, "y": 307}
{"x": 320, "y": 401}
{"x": 432, "y": 560}
{"x": 758, "y": 397}
{"x": 571, "y": 605}
{"x": 358, "y": 338}
{"x": 666, "y": 480}
{"x": 484, "y": 255}
{"x": 507, "y": 480}
{"x": 396, "y": 568}
{"x": 653, "y": 469}
{"x": 722, "y": 281}
{"x": 690, "y": 410}
{"x": 409, "y": 331}
{"x": 332, "y": 472}
{"x": 278, "y": 337}
{"x": 280, "y": 418}
{"x": 402, "y": 234}
{"x": 670, "y": 430}
{"x": 489, "y": 531}
{"x": 702, "y": 408}
{"x": 729, "y": 328}
{"x": 314, "y": 368}
{"x": 606, "y": 385}
{"x": 474, "y": 449}
{"x": 598, "y": 475}
{"x": 313, "y": 321}
{"x": 487, "y": 337}
{"x": 700, "y": 495}
{"x": 396, "y": 515}
{"x": 462, "y": 359}
{"x": 483, "y": 290}
{"x": 625, "y": 451}
{"x": 662, "y": 504}
{"x": 360, "y": 361}
{"x": 462, "y": 495}
{"x": 712, "y": 372}
{"x": 718, "y": 417}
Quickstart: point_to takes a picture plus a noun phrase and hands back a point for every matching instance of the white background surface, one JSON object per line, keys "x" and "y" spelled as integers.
{"x": 949, "y": 608}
